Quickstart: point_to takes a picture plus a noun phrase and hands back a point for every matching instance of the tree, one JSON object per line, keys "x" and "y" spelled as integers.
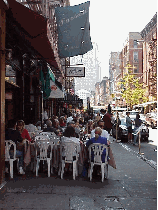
{"x": 132, "y": 90}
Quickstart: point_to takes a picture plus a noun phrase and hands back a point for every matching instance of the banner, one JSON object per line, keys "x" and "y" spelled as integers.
{"x": 73, "y": 30}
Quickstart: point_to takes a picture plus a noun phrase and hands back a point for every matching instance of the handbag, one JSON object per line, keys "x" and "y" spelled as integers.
{"x": 27, "y": 158}
{"x": 111, "y": 159}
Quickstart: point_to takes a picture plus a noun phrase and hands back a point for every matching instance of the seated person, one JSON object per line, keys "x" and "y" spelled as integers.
{"x": 81, "y": 121}
{"x": 69, "y": 136}
{"x": 38, "y": 125}
{"x": 70, "y": 118}
{"x": 98, "y": 139}
{"x": 104, "y": 132}
{"x": 14, "y": 135}
{"x": 58, "y": 130}
{"x": 62, "y": 122}
{"x": 24, "y": 132}
{"x": 77, "y": 128}
{"x": 69, "y": 133}
{"x": 101, "y": 140}
{"x": 72, "y": 124}
{"x": 90, "y": 126}
{"x": 49, "y": 128}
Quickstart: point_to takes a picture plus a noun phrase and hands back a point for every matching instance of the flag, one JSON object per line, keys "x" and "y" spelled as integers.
{"x": 73, "y": 30}
{"x": 45, "y": 84}
{"x": 56, "y": 92}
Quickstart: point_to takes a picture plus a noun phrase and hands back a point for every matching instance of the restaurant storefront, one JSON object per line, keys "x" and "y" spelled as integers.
{"x": 24, "y": 53}
{"x": 69, "y": 103}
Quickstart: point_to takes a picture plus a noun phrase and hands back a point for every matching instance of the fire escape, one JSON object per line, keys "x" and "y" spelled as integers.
{"x": 152, "y": 55}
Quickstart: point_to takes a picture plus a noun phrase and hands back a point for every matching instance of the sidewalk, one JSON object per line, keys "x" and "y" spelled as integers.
{"x": 131, "y": 186}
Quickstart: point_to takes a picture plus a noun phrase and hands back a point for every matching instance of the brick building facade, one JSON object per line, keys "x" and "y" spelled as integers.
{"x": 149, "y": 36}
{"x": 132, "y": 54}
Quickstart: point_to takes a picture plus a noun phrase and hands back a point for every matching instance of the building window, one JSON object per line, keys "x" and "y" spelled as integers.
{"x": 135, "y": 56}
{"x": 135, "y": 44}
{"x": 135, "y": 70}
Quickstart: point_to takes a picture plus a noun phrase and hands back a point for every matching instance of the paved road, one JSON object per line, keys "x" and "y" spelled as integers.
{"x": 153, "y": 136}
{"x": 148, "y": 149}
{"x": 131, "y": 186}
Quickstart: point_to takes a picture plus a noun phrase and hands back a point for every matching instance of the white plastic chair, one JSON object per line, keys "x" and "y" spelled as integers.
{"x": 55, "y": 141}
{"x": 37, "y": 132}
{"x": 69, "y": 154}
{"x": 8, "y": 145}
{"x": 42, "y": 144}
{"x": 45, "y": 134}
{"x": 98, "y": 149}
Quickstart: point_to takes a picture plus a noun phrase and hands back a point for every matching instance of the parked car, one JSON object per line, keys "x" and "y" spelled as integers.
{"x": 123, "y": 131}
{"x": 151, "y": 119}
{"x": 133, "y": 114}
{"x": 143, "y": 118}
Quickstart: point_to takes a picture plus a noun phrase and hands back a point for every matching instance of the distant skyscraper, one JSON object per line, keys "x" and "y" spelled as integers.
{"x": 92, "y": 69}
{"x": 114, "y": 69}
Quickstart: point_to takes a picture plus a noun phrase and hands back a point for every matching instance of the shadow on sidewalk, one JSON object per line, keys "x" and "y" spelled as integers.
{"x": 30, "y": 180}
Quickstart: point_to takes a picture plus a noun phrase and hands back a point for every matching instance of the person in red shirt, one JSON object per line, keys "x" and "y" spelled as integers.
{"x": 24, "y": 132}
{"x": 62, "y": 121}
{"x": 107, "y": 122}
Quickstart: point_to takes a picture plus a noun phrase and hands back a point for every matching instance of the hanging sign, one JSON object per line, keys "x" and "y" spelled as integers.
{"x": 75, "y": 71}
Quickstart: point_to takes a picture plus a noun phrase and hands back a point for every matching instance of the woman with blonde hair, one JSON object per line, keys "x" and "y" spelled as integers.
{"x": 24, "y": 132}
{"x": 97, "y": 138}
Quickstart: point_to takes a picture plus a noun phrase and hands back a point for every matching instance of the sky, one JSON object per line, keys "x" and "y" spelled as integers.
{"x": 112, "y": 20}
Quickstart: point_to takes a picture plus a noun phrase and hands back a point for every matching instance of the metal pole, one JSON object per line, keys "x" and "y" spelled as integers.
{"x": 41, "y": 110}
{"x": 139, "y": 143}
{"x": 116, "y": 127}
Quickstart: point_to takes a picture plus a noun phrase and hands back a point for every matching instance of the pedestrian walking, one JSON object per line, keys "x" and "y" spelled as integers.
{"x": 137, "y": 123}
{"x": 129, "y": 126}
{"x": 117, "y": 123}
{"x": 107, "y": 121}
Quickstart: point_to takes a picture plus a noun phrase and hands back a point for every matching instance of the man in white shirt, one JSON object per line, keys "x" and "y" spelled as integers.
{"x": 69, "y": 119}
{"x": 104, "y": 132}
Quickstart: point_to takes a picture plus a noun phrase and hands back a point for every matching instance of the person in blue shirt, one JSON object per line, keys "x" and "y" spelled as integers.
{"x": 98, "y": 139}
{"x": 101, "y": 140}
{"x": 129, "y": 126}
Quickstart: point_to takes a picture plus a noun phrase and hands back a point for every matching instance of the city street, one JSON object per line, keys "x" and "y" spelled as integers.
{"x": 62, "y": 81}
{"x": 133, "y": 185}
{"x": 148, "y": 150}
